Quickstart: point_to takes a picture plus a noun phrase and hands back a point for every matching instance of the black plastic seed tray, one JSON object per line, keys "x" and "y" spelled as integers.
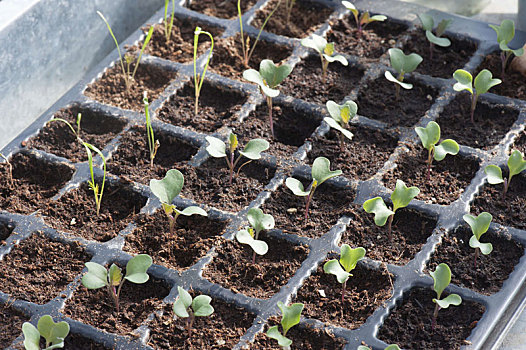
{"x": 501, "y": 308}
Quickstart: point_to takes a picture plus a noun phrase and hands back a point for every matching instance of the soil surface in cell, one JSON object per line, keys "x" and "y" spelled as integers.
{"x": 306, "y": 81}
{"x": 111, "y": 87}
{"x": 220, "y": 8}
{"x": 217, "y": 107}
{"x": 449, "y": 177}
{"x": 5, "y": 230}
{"x": 520, "y": 143}
{"x": 409, "y": 324}
{"x": 95, "y": 128}
{"x": 232, "y": 267}
{"x": 221, "y": 330}
{"x": 305, "y": 18}
{"x": 377, "y": 100}
{"x": 492, "y": 122}
{"x": 490, "y": 270}
{"x": 410, "y": 231}
{"x": 10, "y": 325}
{"x": 30, "y": 183}
{"x": 513, "y": 82}
{"x": 76, "y": 212}
{"x": 131, "y": 161}
{"x": 38, "y": 269}
{"x": 361, "y": 157}
{"x": 193, "y": 236}
{"x": 328, "y": 204}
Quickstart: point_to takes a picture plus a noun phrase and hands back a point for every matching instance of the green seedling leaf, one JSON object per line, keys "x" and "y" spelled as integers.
{"x": 334, "y": 124}
{"x": 201, "y": 306}
{"x": 480, "y": 224}
{"x": 464, "y": 81}
{"x": 137, "y": 267}
{"x": 441, "y": 277}
{"x": 182, "y": 303}
{"x": 253, "y": 76}
{"x": 403, "y": 195}
{"x": 443, "y": 42}
{"x": 216, "y": 148}
{"x": 451, "y": 299}
{"x": 350, "y": 6}
{"x": 427, "y": 21}
{"x": 54, "y": 333}
{"x": 381, "y": 211}
{"x": 321, "y": 170}
{"x": 516, "y": 163}
{"x": 260, "y": 221}
{"x": 403, "y": 63}
{"x": 291, "y": 315}
{"x": 296, "y": 187}
{"x": 484, "y": 81}
{"x": 333, "y": 267}
{"x": 390, "y": 347}
{"x": 494, "y": 174}
{"x": 254, "y": 148}
{"x": 96, "y": 277}
{"x": 446, "y": 147}
{"x": 169, "y": 187}
{"x": 336, "y": 58}
{"x": 315, "y": 42}
{"x": 442, "y": 26}
{"x": 430, "y": 135}
{"x": 389, "y": 76}
{"x": 115, "y": 275}
{"x": 259, "y": 246}
{"x": 340, "y": 115}
{"x": 283, "y": 341}
{"x": 485, "y": 248}
{"x": 350, "y": 257}
{"x": 31, "y": 336}
{"x": 377, "y": 18}
{"x": 505, "y": 34}
{"x": 192, "y": 210}
{"x": 272, "y": 73}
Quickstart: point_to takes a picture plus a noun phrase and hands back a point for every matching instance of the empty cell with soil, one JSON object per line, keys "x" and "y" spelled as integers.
{"x": 219, "y": 8}
{"x": 10, "y": 325}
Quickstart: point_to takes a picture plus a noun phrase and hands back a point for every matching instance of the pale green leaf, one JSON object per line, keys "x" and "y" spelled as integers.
{"x": 443, "y": 42}
{"x": 201, "y": 306}
{"x": 516, "y": 163}
{"x": 169, "y": 187}
{"x": 403, "y": 63}
{"x": 31, "y": 336}
{"x": 272, "y": 73}
{"x": 381, "y": 212}
{"x": 334, "y": 124}
{"x": 485, "y": 248}
{"x": 216, "y": 148}
{"x": 403, "y": 195}
{"x": 389, "y": 76}
{"x": 182, "y": 303}
{"x": 464, "y": 80}
{"x": 192, "y": 210}
{"x": 392, "y": 347}
{"x": 333, "y": 267}
{"x": 349, "y": 257}
{"x": 96, "y": 277}
{"x": 484, "y": 81}
{"x": 296, "y": 187}
{"x": 427, "y": 21}
{"x": 441, "y": 277}
{"x": 137, "y": 267}
{"x": 335, "y": 58}
{"x": 260, "y": 221}
{"x": 115, "y": 275}
{"x": 321, "y": 170}
{"x": 451, "y": 299}
{"x": 258, "y": 246}
{"x": 446, "y": 147}
{"x": 291, "y": 315}
{"x": 254, "y": 148}
{"x": 315, "y": 42}
{"x": 430, "y": 135}
{"x": 283, "y": 341}
{"x": 480, "y": 224}
{"x": 494, "y": 174}
{"x": 342, "y": 113}
{"x": 253, "y": 76}
{"x": 54, "y": 333}
{"x": 377, "y": 18}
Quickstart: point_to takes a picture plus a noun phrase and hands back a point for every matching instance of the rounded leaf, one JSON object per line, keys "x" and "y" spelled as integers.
{"x": 253, "y": 76}
{"x": 291, "y": 315}
{"x": 451, "y": 299}
{"x": 480, "y": 224}
{"x": 169, "y": 187}
{"x": 333, "y": 267}
{"x": 335, "y": 58}
{"x": 201, "y": 306}
{"x": 321, "y": 170}
{"x": 192, "y": 210}
{"x": 136, "y": 268}
{"x": 485, "y": 248}
{"x": 441, "y": 277}
{"x": 516, "y": 163}
{"x": 349, "y": 257}
{"x": 182, "y": 303}
{"x": 260, "y": 221}
{"x": 403, "y": 63}
{"x": 254, "y": 148}
{"x": 430, "y": 135}
{"x": 443, "y": 42}
{"x": 54, "y": 333}
{"x": 403, "y": 195}
{"x": 494, "y": 174}
{"x": 464, "y": 81}
{"x": 381, "y": 212}
{"x": 389, "y": 76}
{"x": 377, "y": 18}
{"x": 296, "y": 187}
{"x": 315, "y": 42}
{"x": 283, "y": 341}
{"x": 446, "y": 147}
{"x": 96, "y": 277}
{"x": 258, "y": 246}
{"x": 216, "y": 148}
{"x": 334, "y": 124}
{"x": 31, "y": 336}
{"x": 273, "y": 74}
{"x": 427, "y": 21}
{"x": 484, "y": 81}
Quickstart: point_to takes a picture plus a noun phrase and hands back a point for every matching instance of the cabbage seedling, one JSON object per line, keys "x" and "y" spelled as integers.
{"x": 516, "y": 165}
{"x": 166, "y": 190}
{"x": 218, "y": 149}
{"x": 401, "y": 197}
{"x": 186, "y": 307}
{"x": 479, "y": 226}
{"x": 98, "y": 276}
{"x": 390, "y": 347}
{"x": 199, "y": 78}
{"x": 483, "y": 82}
{"x": 268, "y": 78}
{"x": 348, "y": 259}
{"x": 402, "y": 64}
{"x": 363, "y": 20}
{"x": 326, "y": 52}
{"x": 434, "y": 38}
{"x": 53, "y": 333}
{"x": 505, "y": 33}
{"x": 441, "y": 279}
{"x": 290, "y": 317}
{"x": 168, "y": 26}
{"x": 153, "y": 144}
{"x": 321, "y": 172}
{"x": 258, "y": 222}
{"x": 430, "y": 135}
{"x": 340, "y": 115}
{"x": 93, "y": 185}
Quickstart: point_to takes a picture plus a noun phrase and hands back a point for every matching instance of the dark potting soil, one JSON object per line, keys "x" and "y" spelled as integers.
{"x": 366, "y": 290}
{"x": 409, "y": 324}
{"x": 78, "y": 342}
{"x": 31, "y": 184}
{"x": 227, "y": 59}
{"x": 57, "y": 138}
{"x": 75, "y": 212}
{"x": 192, "y": 238}
{"x": 306, "y": 81}
{"x": 361, "y": 157}
{"x": 38, "y": 269}
{"x": 217, "y": 107}
{"x": 377, "y": 100}
{"x": 96, "y": 308}
{"x": 513, "y": 82}
{"x": 220, "y": 331}
{"x": 520, "y": 142}
{"x": 232, "y": 268}
{"x": 410, "y": 232}
{"x": 219, "y": 8}
{"x": 131, "y": 161}
{"x": 492, "y": 122}
{"x": 446, "y": 60}
{"x": 5, "y": 230}
{"x": 327, "y": 206}
{"x": 10, "y": 325}
{"x": 449, "y": 177}
{"x": 111, "y": 87}
{"x": 491, "y": 270}
{"x": 306, "y": 17}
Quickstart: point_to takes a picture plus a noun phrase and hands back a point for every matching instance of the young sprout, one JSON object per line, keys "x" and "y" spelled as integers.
{"x": 249, "y": 235}
{"x": 363, "y": 20}
{"x": 153, "y": 144}
{"x": 430, "y": 135}
{"x": 252, "y": 151}
{"x": 441, "y": 279}
{"x": 76, "y": 131}
{"x": 186, "y": 307}
{"x": 199, "y": 78}
{"x": 166, "y": 190}
{"x": 340, "y": 115}
{"x": 434, "y": 39}
{"x": 268, "y": 78}
{"x": 168, "y": 26}
{"x": 128, "y": 79}
{"x": 505, "y": 33}
{"x": 401, "y": 197}
{"x": 290, "y": 317}
{"x": 516, "y": 165}
{"x": 98, "y": 276}
{"x": 53, "y": 333}
{"x": 390, "y": 347}
{"x": 321, "y": 172}
{"x": 9, "y": 167}
{"x": 325, "y": 50}
{"x": 348, "y": 259}
{"x": 97, "y": 190}
{"x": 402, "y": 64}
{"x": 479, "y": 226}
{"x": 483, "y": 82}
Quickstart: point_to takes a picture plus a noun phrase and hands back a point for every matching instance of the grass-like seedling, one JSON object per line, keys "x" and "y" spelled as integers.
{"x": 401, "y": 197}
{"x": 186, "y": 307}
{"x": 249, "y": 235}
{"x": 153, "y": 144}
{"x": 168, "y": 26}
{"x": 363, "y": 20}
{"x": 402, "y": 64}
{"x": 340, "y": 115}
{"x": 390, "y": 347}
{"x": 53, "y": 334}
{"x": 98, "y": 276}
{"x": 516, "y": 165}
{"x": 97, "y": 189}
{"x": 441, "y": 279}
{"x": 326, "y": 52}
{"x": 289, "y": 5}
{"x": 349, "y": 257}
{"x": 199, "y": 78}
{"x": 268, "y": 78}
{"x": 166, "y": 190}
{"x": 218, "y": 149}
{"x": 483, "y": 82}
{"x": 505, "y": 33}
{"x": 479, "y": 226}
{"x": 128, "y": 78}
{"x": 430, "y": 135}
{"x": 290, "y": 317}
{"x": 321, "y": 172}
{"x": 428, "y": 24}
{"x": 76, "y": 131}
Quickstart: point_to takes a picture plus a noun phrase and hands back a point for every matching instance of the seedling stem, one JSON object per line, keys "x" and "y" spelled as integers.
{"x": 199, "y": 78}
